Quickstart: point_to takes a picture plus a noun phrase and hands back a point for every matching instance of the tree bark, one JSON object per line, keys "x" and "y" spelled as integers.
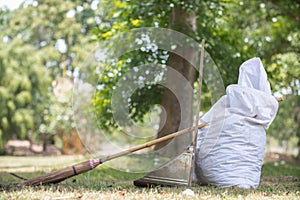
{"x": 44, "y": 138}
{"x": 298, "y": 133}
{"x": 176, "y": 117}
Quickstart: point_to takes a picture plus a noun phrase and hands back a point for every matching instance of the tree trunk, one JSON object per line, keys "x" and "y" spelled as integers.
{"x": 175, "y": 116}
{"x": 298, "y": 133}
{"x": 44, "y": 138}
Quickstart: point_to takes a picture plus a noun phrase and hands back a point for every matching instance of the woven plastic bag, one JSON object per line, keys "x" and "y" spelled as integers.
{"x": 230, "y": 150}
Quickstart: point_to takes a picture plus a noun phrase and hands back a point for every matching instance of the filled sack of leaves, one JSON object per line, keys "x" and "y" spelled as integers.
{"x": 230, "y": 150}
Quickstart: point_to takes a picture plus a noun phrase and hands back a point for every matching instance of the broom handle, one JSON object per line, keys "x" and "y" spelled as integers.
{"x": 153, "y": 142}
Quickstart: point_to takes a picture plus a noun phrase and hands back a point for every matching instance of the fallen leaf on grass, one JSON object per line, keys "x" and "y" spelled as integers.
{"x": 78, "y": 195}
{"x": 122, "y": 192}
{"x": 235, "y": 187}
{"x": 160, "y": 191}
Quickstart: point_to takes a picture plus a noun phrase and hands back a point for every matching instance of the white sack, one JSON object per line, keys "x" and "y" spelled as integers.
{"x": 230, "y": 150}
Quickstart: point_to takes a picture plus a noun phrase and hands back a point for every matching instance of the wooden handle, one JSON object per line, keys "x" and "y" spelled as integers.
{"x": 153, "y": 142}
{"x": 279, "y": 99}
{"x": 198, "y": 109}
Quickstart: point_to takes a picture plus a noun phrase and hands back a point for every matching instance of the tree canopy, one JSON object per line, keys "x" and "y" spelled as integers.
{"x": 36, "y": 51}
{"x": 234, "y": 31}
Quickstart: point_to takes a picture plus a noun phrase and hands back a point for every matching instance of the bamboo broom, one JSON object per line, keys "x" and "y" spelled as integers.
{"x": 60, "y": 175}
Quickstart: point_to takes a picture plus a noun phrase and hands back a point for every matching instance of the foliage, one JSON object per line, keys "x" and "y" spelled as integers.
{"x": 22, "y": 89}
{"x": 51, "y": 41}
{"x": 45, "y": 29}
{"x": 284, "y": 126}
{"x": 234, "y": 32}
{"x": 57, "y": 116}
{"x": 118, "y": 17}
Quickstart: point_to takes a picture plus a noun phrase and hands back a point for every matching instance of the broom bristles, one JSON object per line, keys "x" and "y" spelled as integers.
{"x": 60, "y": 175}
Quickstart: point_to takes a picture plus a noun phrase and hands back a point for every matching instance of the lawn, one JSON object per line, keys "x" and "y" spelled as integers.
{"x": 280, "y": 180}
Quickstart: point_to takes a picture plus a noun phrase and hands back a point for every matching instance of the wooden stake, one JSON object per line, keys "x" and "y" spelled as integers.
{"x": 197, "y": 111}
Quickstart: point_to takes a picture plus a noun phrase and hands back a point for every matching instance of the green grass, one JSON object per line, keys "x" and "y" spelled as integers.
{"x": 278, "y": 182}
{"x": 277, "y": 169}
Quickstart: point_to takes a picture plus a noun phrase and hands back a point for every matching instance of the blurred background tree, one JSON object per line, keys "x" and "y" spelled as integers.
{"x": 23, "y": 87}
{"x": 39, "y": 53}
